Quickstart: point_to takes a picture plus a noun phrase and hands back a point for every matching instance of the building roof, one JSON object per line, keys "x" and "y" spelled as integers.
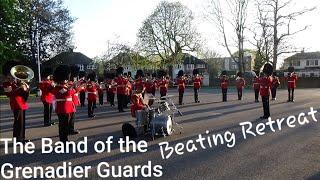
{"x": 189, "y": 59}
{"x": 304, "y": 55}
{"x": 69, "y": 58}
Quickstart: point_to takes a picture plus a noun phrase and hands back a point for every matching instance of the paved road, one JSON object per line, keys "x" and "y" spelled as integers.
{"x": 289, "y": 153}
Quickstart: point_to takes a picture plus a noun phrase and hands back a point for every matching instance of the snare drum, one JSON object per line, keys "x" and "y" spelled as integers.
{"x": 162, "y": 124}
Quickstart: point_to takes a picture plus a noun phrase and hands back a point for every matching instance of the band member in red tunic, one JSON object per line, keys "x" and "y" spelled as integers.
{"x": 163, "y": 83}
{"x": 122, "y": 84}
{"x": 197, "y": 81}
{"x": 111, "y": 87}
{"x": 256, "y": 86}
{"x": 92, "y": 93}
{"x": 224, "y": 83}
{"x": 101, "y": 89}
{"x": 137, "y": 103}
{"x": 46, "y": 86}
{"x": 265, "y": 85}
{"x": 139, "y": 83}
{"x": 63, "y": 98}
{"x": 291, "y": 79}
{"x": 240, "y": 83}
{"x": 74, "y": 84}
{"x": 17, "y": 92}
{"x": 275, "y": 85}
{"x": 82, "y": 82}
{"x": 181, "y": 82}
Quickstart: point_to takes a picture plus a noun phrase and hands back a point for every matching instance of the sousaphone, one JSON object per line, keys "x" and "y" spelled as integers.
{"x": 22, "y": 73}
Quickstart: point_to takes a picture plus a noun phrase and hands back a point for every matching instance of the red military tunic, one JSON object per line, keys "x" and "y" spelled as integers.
{"x": 46, "y": 87}
{"x": 110, "y": 87}
{"x": 75, "y": 97}
{"x": 82, "y": 85}
{"x": 181, "y": 84}
{"x": 92, "y": 91}
{"x": 63, "y": 97}
{"x": 256, "y": 83}
{"x": 224, "y": 83}
{"x": 275, "y": 82}
{"x": 137, "y": 104}
{"x": 265, "y": 85}
{"x": 240, "y": 83}
{"x": 150, "y": 86}
{"x": 292, "y": 81}
{"x": 17, "y": 101}
{"x": 129, "y": 88}
{"x": 197, "y": 82}
{"x": 163, "y": 85}
{"x": 139, "y": 84}
{"x": 121, "y": 85}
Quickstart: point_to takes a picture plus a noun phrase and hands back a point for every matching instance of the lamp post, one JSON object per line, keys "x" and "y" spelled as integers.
{"x": 38, "y": 56}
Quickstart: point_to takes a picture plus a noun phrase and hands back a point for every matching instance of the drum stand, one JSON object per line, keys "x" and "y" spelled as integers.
{"x": 175, "y": 109}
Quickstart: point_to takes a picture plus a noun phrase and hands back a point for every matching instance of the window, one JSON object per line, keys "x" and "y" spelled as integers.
{"x": 190, "y": 66}
{"x": 296, "y": 63}
{"x": 312, "y": 63}
{"x": 91, "y": 66}
{"x": 316, "y": 62}
{"x": 200, "y": 66}
{"x": 81, "y": 67}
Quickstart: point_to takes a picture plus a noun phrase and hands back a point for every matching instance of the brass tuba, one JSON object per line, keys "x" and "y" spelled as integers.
{"x": 22, "y": 73}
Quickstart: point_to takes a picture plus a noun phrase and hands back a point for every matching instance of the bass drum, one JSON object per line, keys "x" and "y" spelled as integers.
{"x": 162, "y": 124}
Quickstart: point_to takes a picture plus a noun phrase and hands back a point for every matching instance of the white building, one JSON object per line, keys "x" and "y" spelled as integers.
{"x": 306, "y": 64}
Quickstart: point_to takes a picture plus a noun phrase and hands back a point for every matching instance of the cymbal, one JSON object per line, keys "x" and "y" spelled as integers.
{"x": 167, "y": 96}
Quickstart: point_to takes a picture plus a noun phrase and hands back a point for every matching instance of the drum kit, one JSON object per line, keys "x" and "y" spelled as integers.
{"x": 156, "y": 120}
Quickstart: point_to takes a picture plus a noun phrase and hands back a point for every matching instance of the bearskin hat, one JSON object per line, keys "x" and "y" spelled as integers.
{"x": 82, "y": 74}
{"x": 180, "y": 73}
{"x": 92, "y": 76}
{"x": 291, "y": 69}
{"x": 129, "y": 130}
{"x": 154, "y": 74}
{"x": 7, "y": 67}
{"x": 61, "y": 73}
{"x": 162, "y": 73}
{"x": 268, "y": 69}
{"x": 100, "y": 79}
{"x": 120, "y": 71}
{"x": 239, "y": 74}
{"x": 47, "y": 71}
{"x": 74, "y": 72}
{"x": 195, "y": 72}
{"x": 223, "y": 73}
{"x": 139, "y": 73}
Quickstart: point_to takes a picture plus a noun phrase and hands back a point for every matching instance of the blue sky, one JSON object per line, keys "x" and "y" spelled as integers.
{"x": 100, "y": 21}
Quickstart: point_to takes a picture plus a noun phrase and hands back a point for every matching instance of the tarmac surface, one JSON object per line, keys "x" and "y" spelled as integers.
{"x": 287, "y": 153}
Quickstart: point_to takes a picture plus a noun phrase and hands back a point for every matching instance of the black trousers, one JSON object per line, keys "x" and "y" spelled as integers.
{"x": 101, "y": 99}
{"x": 181, "y": 97}
{"x": 71, "y": 122}
{"x": 121, "y": 101}
{"x": 47, "y": 112}
{"x": 256, "y": 94}
{"x": 162, "y": 94}
{"x": 63, "y": 126}
{"x": 110, "y": 98}
{"x": 82, "y": 98}
{"x": 239, "y": 93}
{"x": 273, "y": 92}
{"x": 266, "y": 106}
{"x": 91, "y": 107}
{"x": 224, "y": 94}
{"x": 19, "y": 125}
{"x": 290, "y": 94}
{"x": 196, "y": 95}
